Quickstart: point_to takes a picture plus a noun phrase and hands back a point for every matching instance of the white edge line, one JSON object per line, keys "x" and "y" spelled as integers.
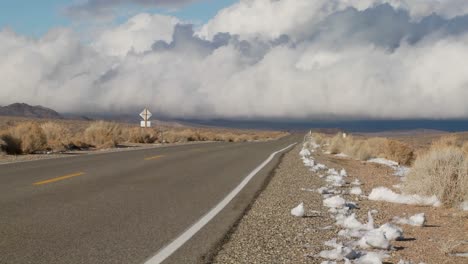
{"x": 168, "y": 250}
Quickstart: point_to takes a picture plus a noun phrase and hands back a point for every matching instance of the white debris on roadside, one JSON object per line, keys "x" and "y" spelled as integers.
{"x": 415, "y": 220}
{"x": 383, "y": 161}
{"x": 372, "y": 258}
{"x": 387, "y": 195}
{"x": 298, "y": 211}
{"x": 391, "y": 231}
{"x": 305, "y": 152}
{"x": 356, "y": 182}
{"x": 375, "y": 239}
{"x": 464, "y": 206}
{"x": 356, "y": 191}
{"x": 334, "y": 202}
{"x": 341, "y": 155}
{"x": 360, "y": 242}
{"x": 400, "y": 171}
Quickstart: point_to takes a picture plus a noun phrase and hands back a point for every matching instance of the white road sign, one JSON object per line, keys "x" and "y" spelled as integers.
{"x": 146, "y": 114}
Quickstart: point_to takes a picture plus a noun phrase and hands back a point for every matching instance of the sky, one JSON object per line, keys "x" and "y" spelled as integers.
{"x": 244, "y": 59}
{"x": 34, "y": 18}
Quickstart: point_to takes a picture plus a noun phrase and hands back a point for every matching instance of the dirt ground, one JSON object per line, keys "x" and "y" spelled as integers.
{"x": 269, "y": 234}
{"x": 446, "y": 229}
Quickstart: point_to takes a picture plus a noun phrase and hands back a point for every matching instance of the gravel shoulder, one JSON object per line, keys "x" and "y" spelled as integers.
{"x": 268, "y": 233}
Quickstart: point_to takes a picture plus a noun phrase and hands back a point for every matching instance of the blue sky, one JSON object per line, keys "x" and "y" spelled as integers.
{"x": 34, "y": 18}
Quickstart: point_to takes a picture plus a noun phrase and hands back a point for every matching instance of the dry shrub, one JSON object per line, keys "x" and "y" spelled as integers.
{"x": 442, "y": 171}
{"x": 142, "y": 135}
{"x": 358, "y": 149}
{"x": 26, "y": 138}
{"x": 319, "y": 138}
{"x": 57, "y": 135}
{"x": 399, "y": 152}
{"x": 337, "y": 144}
{"x": 378, "y": 146}
{"x": 177, "y": 136}
{"x": 353, "y": 147}
{"x": 102, "y": 134}
{"x": 364, "y": 149}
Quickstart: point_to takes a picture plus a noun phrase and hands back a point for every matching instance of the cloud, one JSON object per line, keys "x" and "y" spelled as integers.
{"x": 272, "y": 18}
{"x": 88, "y": 8}
{"x": 137, "y": 34}
{"x": 317, "y": 59}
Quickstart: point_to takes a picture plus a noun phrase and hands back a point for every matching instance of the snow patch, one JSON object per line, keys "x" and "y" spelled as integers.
{"x": 415, "y": 220}
{"x": 341, "y": 155}
{"x": 400, "y": 171}
{"x": 356, "y": 182}
{"x": 464, "y": 206}
{"x": 392, "y": 232}
{"x": 372, "y": 258}
{"x": 298, "y": 211}
{"x": 387, "y": 195}
{"x": 334, "y": 202}
{"x": 356, "y": 191}
{"x": 382, "y": 161}
{"x": 305, "y": 152}
{"x": 376, "y": 239}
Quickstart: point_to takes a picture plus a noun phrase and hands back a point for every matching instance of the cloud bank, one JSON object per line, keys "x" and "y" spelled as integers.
{"x": 256, "y": 59}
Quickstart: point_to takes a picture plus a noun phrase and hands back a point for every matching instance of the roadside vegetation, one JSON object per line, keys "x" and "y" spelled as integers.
{"x": 30, "y": 137}
{"x": 440, "y": 169}
{"x": 367, "y": 148}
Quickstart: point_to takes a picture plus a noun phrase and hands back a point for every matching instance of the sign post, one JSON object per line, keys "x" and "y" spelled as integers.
{"x": 146, "y": 115}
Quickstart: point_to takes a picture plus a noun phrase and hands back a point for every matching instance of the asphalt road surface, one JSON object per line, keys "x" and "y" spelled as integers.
{"x": 124, "y": 207}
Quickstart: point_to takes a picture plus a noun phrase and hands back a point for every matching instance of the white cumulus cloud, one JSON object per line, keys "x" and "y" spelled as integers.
{"x": 138, "y": 34}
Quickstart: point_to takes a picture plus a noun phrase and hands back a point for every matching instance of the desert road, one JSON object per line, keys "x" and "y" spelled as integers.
{"x": 141, "y": 206}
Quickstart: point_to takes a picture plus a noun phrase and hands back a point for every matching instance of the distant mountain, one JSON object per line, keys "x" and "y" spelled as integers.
{"x": 25, "y": 110}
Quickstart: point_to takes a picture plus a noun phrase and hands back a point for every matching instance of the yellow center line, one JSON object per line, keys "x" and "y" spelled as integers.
{"x": 59, "y": 178}
{"x": 154, "y": 157}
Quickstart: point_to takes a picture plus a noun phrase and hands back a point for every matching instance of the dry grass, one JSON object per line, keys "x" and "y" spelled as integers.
{"x": 102, "y": 134}
{"x": 58, "y": 136}
{"x": 141, "y": 135}
{"x": 21, "y": 136}
{"x": 25, "y": 138}
{"x": 399, "y": 152}
{"x": 367, "y": 148}
{"x": 442, "y": 171}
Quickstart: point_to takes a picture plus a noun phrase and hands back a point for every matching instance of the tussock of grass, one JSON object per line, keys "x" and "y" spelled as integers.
{"x": 103, "y": 134}
{"x": 58, "y": 136}
{"x": 442, "y": 171}
{"x": 364, "y": 149}
{"x": 26, "y": 137}
{"x": 399, "y": 152}
{"x": 141, "y": 135}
